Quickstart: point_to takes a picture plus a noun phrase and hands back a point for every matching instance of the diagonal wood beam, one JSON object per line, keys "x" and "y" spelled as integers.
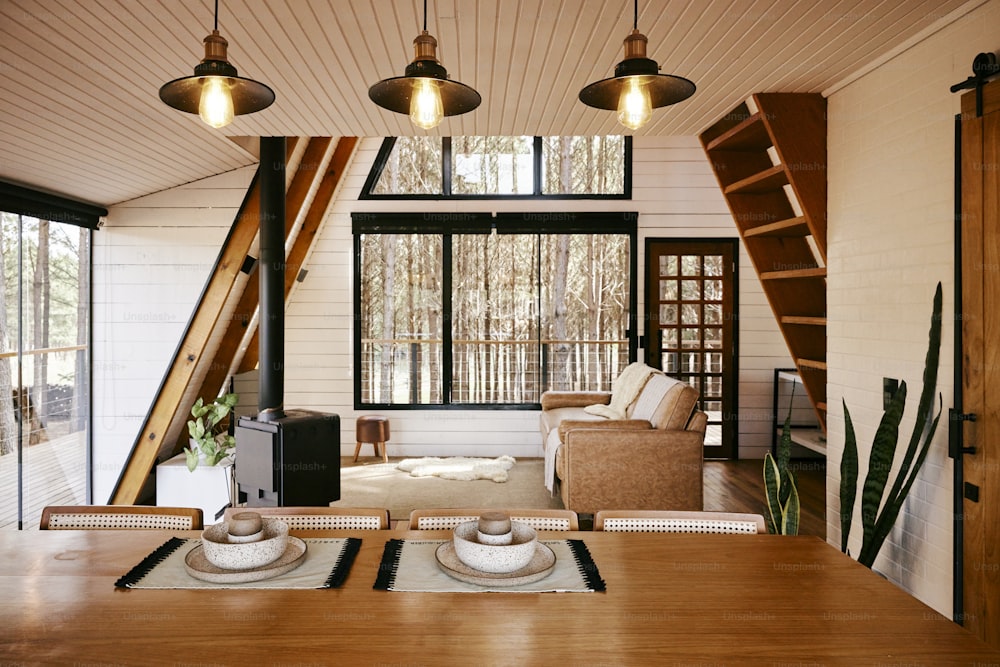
{"x": 307, "y": 234}
{"x": 191, "y": 349}
{"x": 306, "y": 175}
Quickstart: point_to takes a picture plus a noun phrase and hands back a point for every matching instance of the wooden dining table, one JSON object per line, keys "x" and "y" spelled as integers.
{"x": 669, "y": 600}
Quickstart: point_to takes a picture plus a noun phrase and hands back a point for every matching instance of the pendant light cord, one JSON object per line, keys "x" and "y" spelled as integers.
{"x": 425, "y": 14}
{"x": 635, "y": 22}
{"x": 217, "y": 15}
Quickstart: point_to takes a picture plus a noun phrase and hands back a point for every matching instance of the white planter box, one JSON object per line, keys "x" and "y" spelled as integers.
{"x": 208, "y": 487}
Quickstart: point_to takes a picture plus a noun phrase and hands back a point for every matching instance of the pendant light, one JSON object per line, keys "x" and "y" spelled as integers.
{"x": 215, "y": 92}
{"x": 637, "y": 86}
{"x": 424, "y": 91}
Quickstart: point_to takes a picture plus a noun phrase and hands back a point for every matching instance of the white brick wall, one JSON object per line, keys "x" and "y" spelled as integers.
{"x": 891, "y": 157}
{"x": 153, "y": 256}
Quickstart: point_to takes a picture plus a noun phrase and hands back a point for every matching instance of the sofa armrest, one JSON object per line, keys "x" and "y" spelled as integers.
{"x": 642, "y": 469}
{"x": 573, "y": 399}
{"x": 568, "y": 425}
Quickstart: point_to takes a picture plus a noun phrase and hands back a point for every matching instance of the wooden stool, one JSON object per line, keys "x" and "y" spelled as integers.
{"x": 373, "y": 429}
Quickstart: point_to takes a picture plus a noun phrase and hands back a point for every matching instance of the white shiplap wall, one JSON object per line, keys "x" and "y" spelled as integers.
{"x": 891, "y": 180}
{"x": 673, "y": 191}
{"x": 151, "y": 261}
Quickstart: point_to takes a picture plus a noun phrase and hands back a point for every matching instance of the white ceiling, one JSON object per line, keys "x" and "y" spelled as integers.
{"x": 80, "y": 115}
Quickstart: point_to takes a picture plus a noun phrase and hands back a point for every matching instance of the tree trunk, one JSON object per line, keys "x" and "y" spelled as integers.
{"x": 40, "y": 306}
{"x": 388, "y": 316}
{"x": 560, "y": 348}
{"x": 8, "y": 426}
{"x": 81, "y": 387}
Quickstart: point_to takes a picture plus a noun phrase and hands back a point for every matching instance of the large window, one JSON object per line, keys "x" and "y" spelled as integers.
{"x": 481, "y": 310}
{"x": 44, "y": 366}
{"x": 502, "y": 167}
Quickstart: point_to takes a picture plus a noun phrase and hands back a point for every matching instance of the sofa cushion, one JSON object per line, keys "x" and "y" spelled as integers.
{"x": 652, "y": 395}
{"x": 551, "y": 419}
{"x": 675, "y": 409}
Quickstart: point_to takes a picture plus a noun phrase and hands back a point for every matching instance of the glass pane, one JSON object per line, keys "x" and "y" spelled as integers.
{"x": 712, "y": 387}
{"x": 668, "y": 265}
{"x": 690, "y": 338}
{"x": 45, "y": 316}
{"x": 691, "y": 362}
{"x": 668, "y": 314}
{"x": 713, "y": 338}
{"x": 691, "y": 314}
{"x": 412, "y": 168}
{"x": 669, "y": 362}
{"x": 713, "y": 362}
{"x": 691, "y": 290}
{"x": 713, "y": 290}
{"x": 586, "y": 346}
{"x": 583, "y": 165}
{"x": 713, "y": 313}
{"x": 401, "y": 337}
{"x": 668, "y": 290}
{"x": 492, "y": 166}
{"x": 691, "y": 265}
{"x": 668, "y": 339}
{"x": 713, "y": 265}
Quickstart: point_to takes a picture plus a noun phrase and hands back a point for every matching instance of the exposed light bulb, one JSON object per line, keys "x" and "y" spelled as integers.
{"x": 426, "y": 110}
{"x": 216, "y": 104}
{"x": 634, "y": 105}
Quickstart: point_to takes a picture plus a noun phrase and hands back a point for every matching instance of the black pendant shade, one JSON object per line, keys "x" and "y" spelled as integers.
{"x": 394, "y": 94}
{"x": 637, "y": 86}
{"x": 216, "y": 92}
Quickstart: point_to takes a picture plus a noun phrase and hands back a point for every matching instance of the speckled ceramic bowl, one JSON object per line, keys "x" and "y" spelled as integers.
{"x": 246, "y": 555}
{"x": 495, "y": 558}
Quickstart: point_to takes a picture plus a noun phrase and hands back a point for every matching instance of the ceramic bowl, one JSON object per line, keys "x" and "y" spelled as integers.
{"x": 241, "y": 539}
{"x": 497, "y": 540}
{"x": 495, "y": 558}
{"x": 219, "y": 551}
{"x": 242, "y": 524}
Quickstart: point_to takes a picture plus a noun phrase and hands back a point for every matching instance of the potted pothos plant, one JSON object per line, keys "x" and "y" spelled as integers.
{"x": 207, "y": 431}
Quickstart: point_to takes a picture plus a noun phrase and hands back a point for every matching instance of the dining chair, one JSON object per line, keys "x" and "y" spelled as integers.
{"x": 322, "y": 518}
{"x": 656, "y": 521}
{"x": 447, "y": 519}
{"x": 100, "y": 517}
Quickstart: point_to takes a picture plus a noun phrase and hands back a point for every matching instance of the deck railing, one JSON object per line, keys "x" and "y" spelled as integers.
{"x": 408, "y": 370}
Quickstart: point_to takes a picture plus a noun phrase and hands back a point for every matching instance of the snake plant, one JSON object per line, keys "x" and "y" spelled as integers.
{"x": 779, "y": 483}
{"x": 876, "y": 524}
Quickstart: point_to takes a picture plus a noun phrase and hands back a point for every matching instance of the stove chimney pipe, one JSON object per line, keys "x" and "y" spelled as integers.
{"x": 271, "y": 316}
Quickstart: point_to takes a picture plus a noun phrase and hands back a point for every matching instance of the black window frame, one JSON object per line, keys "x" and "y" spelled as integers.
{"x": 387, "y": 145}
{"x": 448, "y": 224}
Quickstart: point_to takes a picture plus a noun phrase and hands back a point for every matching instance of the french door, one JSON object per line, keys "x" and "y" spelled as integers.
{"x": 691, "y": 311}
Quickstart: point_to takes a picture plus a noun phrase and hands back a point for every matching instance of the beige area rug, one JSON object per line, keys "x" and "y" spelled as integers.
{"x": 459, "y": 468}
{"x": 384, "y": 485}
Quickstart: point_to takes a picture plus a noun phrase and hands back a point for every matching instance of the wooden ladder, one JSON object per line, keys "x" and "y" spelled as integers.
{"x": 769, "y": 157}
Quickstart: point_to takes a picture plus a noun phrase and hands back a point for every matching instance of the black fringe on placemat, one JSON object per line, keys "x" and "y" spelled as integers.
{"x": 343, "y": 565}
{"x": 149, "y": 562}
{"x": 587, "y": 567}
{"x": 389, "y": 565}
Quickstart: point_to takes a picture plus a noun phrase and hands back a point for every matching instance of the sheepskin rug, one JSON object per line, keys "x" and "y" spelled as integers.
{"x": 461, "y": 468}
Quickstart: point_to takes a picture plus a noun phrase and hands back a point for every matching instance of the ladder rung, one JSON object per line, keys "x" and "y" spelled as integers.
{"x": 750, "y": 134}
{"x": 768, "y": 180}
{"x": 804, "y": 319}
{"x": 814, "y": 272}
{"x": 790, "y": 227}
{"x": 813, "y": 363}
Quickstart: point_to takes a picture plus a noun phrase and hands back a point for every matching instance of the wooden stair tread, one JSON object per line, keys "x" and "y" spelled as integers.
{"x": 765, "y": 181}
{"x": 791, "y": 227}
{"x": 751, "y": 134}
{"x": 795, "y": 274}
{"x": 812, "y": 363}
{"x": 804, "y": 319}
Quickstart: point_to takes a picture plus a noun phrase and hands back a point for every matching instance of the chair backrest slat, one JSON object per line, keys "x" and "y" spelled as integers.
{"x": 651, "y": 521}
{"x": 120, "y": 517}
{"x": 322, "y": 518}
{"x": 448, "y": 519}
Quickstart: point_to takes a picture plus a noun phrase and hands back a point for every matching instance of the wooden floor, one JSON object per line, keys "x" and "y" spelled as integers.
{"x": 52, "y": 473}
{"x": 738, "y": 486}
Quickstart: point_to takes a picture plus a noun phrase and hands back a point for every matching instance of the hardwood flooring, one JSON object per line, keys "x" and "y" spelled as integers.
{"x": 738, "y": 486}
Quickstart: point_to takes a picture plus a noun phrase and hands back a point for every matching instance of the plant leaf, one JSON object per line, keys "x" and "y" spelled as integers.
{"x": 848, "y": 478}
{"x": 191, "y": 459}
{"x": 771, "y": 477}
{"x": 791, "y": 525}
{"x": 880, "y": 463}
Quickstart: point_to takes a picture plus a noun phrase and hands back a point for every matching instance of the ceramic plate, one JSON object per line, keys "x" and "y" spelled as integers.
{"x": 200, "y": 568}
{"x": 540, "y": 567}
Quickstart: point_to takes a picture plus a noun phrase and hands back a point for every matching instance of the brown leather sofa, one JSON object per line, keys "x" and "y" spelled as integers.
{"x": 650, "y": 459}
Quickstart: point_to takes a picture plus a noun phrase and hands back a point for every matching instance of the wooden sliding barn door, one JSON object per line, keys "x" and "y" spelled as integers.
{"x": 978, "y": 461}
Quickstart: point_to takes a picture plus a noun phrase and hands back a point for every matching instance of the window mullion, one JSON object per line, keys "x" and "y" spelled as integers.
{"x": 446, "y": 324}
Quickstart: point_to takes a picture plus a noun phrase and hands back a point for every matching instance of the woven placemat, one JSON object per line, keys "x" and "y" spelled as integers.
{"x": 410, "y": 565}
{"x": 327, "y": 563}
